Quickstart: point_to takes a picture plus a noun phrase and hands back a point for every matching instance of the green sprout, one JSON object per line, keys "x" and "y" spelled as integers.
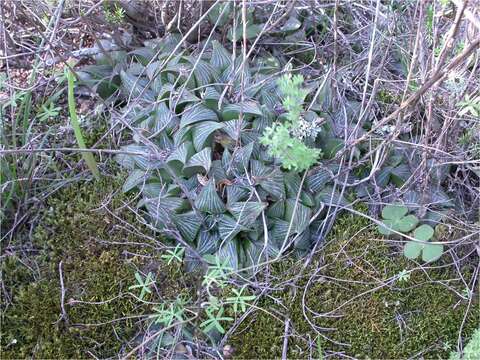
{"x": 240, "y": 300}
{"x": 403, "y": 276}
{"x": 167, "y": 314}
{"x": 213, "y": 321}
{"x": 283, "y": 139}
{"x": 216, "y": 273}
{"x": 143, "y": 284}
{"x": 174, "y": 255}
{"x": 48, "y": 112}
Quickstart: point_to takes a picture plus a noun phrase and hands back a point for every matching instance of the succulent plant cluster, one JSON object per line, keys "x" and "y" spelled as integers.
{"x": 196, "y": 157}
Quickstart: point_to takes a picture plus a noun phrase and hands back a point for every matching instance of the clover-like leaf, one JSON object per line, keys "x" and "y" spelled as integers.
{"x": 394, "y": 211}
{"x": 406, "y": 223}
{"x": 423, "y": 232}
{"x": 432, "y": 252}
{"x": 395, "y": 220}
{"x": 412, "y": 249}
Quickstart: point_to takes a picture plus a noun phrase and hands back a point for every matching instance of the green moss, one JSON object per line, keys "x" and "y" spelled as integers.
{"x": 387, "y": 97}
{"x": 373, "y": 317}
{"x": 76, "y": 229}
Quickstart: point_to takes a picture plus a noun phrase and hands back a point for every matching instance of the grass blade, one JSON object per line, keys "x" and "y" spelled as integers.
{"x": 88, "y": 157}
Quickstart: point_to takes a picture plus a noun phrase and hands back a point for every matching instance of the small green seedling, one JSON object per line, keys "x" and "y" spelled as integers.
{"x": 167, "y": 314}
{"x": 429, "y": 252}
{"x": 48, "y": 112}
{"x": 395, "y": 218}
{"x": 174, "y": 255}
{"x": 213, "y": 321}
{"x": 143, "y": 284}
{"x": 403, "y": 276}
{"x": 217, "y": 272}
{"x": 240, "y": 300}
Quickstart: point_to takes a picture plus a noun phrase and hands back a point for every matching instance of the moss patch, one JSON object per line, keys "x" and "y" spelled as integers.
{"x": 75, "y": 229}
{"x": 371, "y": 315}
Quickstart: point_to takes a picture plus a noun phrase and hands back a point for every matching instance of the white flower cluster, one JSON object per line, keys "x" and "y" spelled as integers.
{"x": 306, "y": 129}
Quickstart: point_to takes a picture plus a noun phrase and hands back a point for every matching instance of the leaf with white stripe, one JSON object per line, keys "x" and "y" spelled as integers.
{"x": 182, "y": 135}
{"x": 241, "y": 156}
{"x": 210, "y": 97}
{"x": 161, "y": 209}
{"x": 301, "y": 218}
{"x": 228, "y": 227}
{"x": 204, "y": 73}
{"x": 276, "y": 210}
{"x": 229, "y": 251}
{"x": 292, "y": 184}
{"x": 279, "y": 232}
{"x": 270, "y": 180}
{"x": 303, "y": 241}
{"x": 134, "y": 178}
{"x": 202, "y": 159}
{"x": 209, "y": 201}
{"x": 318, "y": 180}
{"x": 163, "y": 119}
{"x": 246, "y": 212}
{"x": 221, "y": 58}
{"x": 152, "y": 189}
{"x": 236, "y": 193}
{"x": 217, "y": 172}
{"x": 182, "y": 153}
{"x": 196, "y": 114}
{"x": 234, "y": 128}
{"x": 331, "y": 197}
{"x": 232, "y": 111}
{"x": 133, "y": 86}
{"x": 202, "y": 131}
{"x": 207, "y": 241}
{"x": 187, "y": 224}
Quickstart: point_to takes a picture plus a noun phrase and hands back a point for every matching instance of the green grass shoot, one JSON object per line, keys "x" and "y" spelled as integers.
{"x": 88, "y": 157}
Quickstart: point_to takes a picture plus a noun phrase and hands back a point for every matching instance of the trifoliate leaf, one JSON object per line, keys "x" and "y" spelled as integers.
{"x": 406, "y": 223}
{"x": 423, "y": 233}
{"x": 394, "y": 211}
{"x": 412, "y": 249}
{"x": 432, "y": 252}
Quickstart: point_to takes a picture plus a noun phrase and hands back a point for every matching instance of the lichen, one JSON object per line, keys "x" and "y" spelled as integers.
{"x": 367, "y": 312}
{"x": 76, "y": 229}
